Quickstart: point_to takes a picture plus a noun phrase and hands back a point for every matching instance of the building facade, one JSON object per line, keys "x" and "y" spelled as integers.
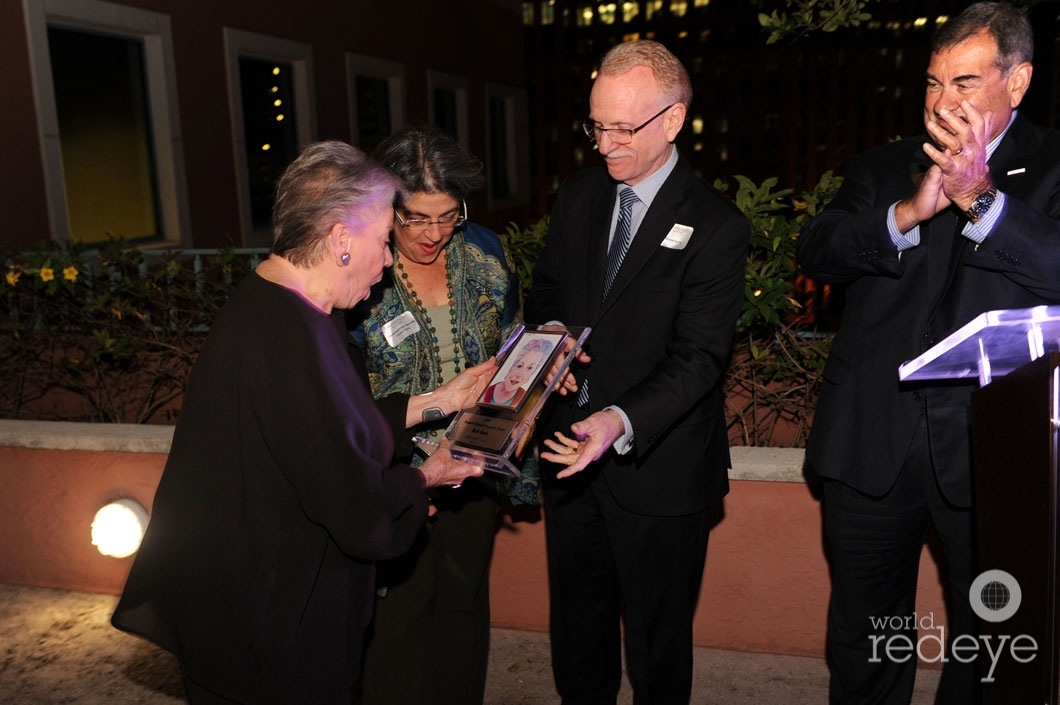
{"x": 792, "y": 110}
{"x": 166, "y": 122}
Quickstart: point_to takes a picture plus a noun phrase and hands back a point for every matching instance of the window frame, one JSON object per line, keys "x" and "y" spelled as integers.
{"x": 153, "y": 30}
{"x": 393, "y": 72}
{"x": 517, "y": 123}
{"x": 239, "y": 43}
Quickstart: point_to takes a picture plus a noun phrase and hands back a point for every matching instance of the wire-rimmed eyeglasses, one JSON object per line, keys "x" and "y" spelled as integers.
{"x": 446, "y": 222}
{"x": 619, "y": 135}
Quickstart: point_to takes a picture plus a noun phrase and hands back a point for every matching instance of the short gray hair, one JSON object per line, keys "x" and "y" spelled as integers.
{"x": 330, "y": 182}
{"x": 1008, "y": 26}
{"x": 668, "y": 71}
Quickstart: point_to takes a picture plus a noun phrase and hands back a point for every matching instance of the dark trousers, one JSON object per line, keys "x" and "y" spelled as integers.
{"x": 429, "y": 640}
{"x": 875, "y": 547}
{"x": 605, "y": 562}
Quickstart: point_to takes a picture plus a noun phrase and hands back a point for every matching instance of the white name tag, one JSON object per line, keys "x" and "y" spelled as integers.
{"x": 397, "y": 329}
{"x": 678, "y": 237}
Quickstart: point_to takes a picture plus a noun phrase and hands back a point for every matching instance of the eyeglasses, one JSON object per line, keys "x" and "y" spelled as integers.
{"x": 446, "y": 222}
{"x": 619, "y": 135}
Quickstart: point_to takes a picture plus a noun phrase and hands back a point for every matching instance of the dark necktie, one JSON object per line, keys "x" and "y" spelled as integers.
{"x": 615, "y": 254}
{"x": 623, "y": 237}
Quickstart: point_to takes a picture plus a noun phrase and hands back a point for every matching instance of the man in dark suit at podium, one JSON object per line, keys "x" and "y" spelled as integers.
{"x": 926, "y": 234}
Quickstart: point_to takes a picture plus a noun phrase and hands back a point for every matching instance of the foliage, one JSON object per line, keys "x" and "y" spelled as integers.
{"x": 116, "y": 330}
{"x": 102, "y": 336}
{"x": 525, "y": 246}
{"x": 775, "y": 373}
{"x": 802, "y": 17}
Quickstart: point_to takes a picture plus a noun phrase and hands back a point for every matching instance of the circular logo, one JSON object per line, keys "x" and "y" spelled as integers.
{"x": 995, "y": 595}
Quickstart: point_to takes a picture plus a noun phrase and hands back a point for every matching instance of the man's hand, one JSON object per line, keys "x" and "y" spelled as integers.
{"x": 928, "y": 200}
{"x": 962, "y": 160}
{"x": 592, "y": 437}
{"x": 567, "y": 384}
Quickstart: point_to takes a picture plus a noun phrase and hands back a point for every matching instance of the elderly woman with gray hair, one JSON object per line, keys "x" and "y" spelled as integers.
{"x": 278, "y": 497}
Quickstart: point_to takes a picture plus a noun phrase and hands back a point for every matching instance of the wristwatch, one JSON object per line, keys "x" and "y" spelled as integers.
{"x": 433, "y": 413}
{"x": 981, "y": 205}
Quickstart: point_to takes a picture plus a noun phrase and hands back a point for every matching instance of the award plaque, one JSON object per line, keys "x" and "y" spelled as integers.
{"x": 489, "y": 432}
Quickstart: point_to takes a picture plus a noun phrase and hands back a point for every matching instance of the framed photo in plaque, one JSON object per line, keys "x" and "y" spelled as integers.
{"x": 530, "y": 355}
{"x": 499, "y": 424}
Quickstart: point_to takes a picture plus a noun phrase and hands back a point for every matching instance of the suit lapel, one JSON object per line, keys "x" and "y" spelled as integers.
{"x": 596, "y": 258}
{"x": 653, "y": 229}
{"x": 1011, "y": 158}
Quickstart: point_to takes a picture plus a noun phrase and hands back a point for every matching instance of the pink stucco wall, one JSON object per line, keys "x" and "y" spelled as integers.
{"x": 765, "y": 588}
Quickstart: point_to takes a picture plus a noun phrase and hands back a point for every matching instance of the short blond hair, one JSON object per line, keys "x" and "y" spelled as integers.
{"x": 669, "y": 73}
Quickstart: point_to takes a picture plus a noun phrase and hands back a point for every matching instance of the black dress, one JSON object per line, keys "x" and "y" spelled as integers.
{"x": 258, "y": 567}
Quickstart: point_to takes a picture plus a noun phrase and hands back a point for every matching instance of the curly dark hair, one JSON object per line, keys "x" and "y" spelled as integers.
{"x": 428, "y": 160}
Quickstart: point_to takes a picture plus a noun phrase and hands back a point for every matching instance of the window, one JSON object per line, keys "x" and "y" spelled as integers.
{"x": 112, "y": 156}
{"x": 507, "y": 156}
{"x": 266, "y": 134}
{"x": 548, "y": 12}
{"x": 447, "y": 104}
{"x": 377, "y": 99}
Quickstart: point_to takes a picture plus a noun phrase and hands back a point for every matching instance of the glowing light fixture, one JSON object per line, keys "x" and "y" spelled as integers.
{"x": 118, "y": 528}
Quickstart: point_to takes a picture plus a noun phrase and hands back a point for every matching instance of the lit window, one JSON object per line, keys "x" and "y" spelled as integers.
{"x": 652, "y": 7}
{"x": 606, "y": 13}
{"x": 697, "y": 125}
{"x": 700, "y": 3}
{"x": 528, "y": 14}
{"x": 104, "y": 131}
{"x": 629, "y": 11}
{"x": 585, "y": 16}
{"x": 548, "y": 12}
{"x": 678, "y": 7}
{"x": 130, "y": 180}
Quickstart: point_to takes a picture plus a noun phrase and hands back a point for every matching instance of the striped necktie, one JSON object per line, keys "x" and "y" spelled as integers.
{"x": 615, "y": 254}
{"x": 623, "y": 236}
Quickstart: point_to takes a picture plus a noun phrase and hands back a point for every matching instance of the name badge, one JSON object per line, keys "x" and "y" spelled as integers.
{"x": 397, "y": 329}
{"x": 678, "y": 237}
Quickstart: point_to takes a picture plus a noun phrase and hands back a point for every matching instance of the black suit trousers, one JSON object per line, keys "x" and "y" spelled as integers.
{"x": 603, "y": 562}
{"x": 875, "y": 545}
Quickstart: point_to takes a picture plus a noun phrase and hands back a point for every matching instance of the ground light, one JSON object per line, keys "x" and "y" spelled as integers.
{"x": 118, "y": 528}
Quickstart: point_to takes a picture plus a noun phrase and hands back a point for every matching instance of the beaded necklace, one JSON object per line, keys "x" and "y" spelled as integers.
{"x": 422, "y": 310}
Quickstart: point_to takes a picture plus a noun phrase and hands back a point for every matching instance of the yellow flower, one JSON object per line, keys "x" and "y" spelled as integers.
{"x": 12, "y": 277}
{"x": 70, "y": 273}
{"x": 47, "y": 274}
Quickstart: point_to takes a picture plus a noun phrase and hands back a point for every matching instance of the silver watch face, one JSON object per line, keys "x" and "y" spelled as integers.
{"x": 981, "y": 205}
{"x": 433, "y": 413}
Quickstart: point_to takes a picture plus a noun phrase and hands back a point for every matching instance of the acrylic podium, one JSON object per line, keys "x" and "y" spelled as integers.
{"x": 1015, "y": 355}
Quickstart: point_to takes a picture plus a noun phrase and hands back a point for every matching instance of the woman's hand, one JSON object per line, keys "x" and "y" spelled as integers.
{"x": 443, "y": 469}
{"x": 464, "y": 390}
{"x": 458, "y": 393}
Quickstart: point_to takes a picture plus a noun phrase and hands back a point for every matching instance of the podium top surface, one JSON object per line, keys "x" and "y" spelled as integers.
{"x": 991, "y": 344}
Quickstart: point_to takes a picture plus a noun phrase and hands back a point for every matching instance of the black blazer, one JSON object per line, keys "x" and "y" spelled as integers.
{"x": 898, "y": 307}
{"x": 660, "y": 341}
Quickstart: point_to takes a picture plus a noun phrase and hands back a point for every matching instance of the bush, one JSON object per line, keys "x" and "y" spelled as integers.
{"x": 107, "y": 334}
{"x": 775, "y": 373}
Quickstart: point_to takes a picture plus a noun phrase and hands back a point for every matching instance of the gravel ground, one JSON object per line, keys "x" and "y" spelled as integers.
{"x": 59, "y": 647}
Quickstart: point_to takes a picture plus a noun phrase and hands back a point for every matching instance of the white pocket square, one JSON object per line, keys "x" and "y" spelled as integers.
{"x": 678, "y": 237}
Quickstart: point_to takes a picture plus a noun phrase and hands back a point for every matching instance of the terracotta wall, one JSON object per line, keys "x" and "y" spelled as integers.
{"x": 765, "y": 589}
